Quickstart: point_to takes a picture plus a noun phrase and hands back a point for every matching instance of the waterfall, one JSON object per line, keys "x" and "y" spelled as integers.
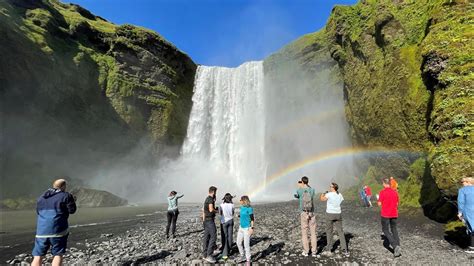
{"x": 226, "y": 127}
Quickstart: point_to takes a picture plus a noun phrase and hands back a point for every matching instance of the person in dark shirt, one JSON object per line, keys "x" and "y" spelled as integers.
{"x": 53, "y": 209}
{"x": 388, "y": 201}
{"x": 209, "y": 211}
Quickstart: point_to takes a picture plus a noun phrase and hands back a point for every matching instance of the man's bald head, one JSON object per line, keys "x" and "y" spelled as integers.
{"x": 60, "y": 184}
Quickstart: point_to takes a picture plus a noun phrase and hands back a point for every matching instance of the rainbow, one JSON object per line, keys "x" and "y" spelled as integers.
{"x": 320, "y": 158}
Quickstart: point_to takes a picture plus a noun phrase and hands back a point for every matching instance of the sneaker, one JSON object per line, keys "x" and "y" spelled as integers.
{"x": 345, "y": 253}
{"x": 313, "y": 254}
{"x": 304, "y": 254}
{"x": 222, "y": 258}
{"x": 397, "y": 251}
{"x": 210, "y": 259}
{"x": 470, "y": 250}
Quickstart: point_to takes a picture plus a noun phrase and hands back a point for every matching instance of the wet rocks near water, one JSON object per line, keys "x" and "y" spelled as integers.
{"x": 277, "y": 239}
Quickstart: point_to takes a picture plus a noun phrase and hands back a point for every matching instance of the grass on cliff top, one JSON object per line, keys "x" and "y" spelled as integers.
{"x": 73, "y": 17}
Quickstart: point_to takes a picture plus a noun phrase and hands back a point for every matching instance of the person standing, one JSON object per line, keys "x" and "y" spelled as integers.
{"x": 208, "y": 214}
{"x": 363, "y": 197}
{"x": 52, "y": 228}
{"x": 172, "y": 213}
{"x": 305, "y": 195}
{"x": 466, "y": 208}
{"x": 388, "y": 201}
{"x": 226, "y": 211}
{"x": 368, "y": 195}
{"x": 246, "y": 228}
{"x": 334, "y": 217}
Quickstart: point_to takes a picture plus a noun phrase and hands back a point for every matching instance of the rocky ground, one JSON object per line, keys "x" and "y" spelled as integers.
{"x": 277, "y": 240}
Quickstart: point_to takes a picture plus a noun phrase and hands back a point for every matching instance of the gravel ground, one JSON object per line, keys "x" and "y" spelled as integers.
{"x": 276, "y": 240}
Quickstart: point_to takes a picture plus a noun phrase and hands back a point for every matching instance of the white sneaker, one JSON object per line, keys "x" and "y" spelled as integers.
{"x": 304, "y": 254}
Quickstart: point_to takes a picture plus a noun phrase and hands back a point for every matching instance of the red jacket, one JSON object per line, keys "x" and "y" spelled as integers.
{"x": 368, "y": 192}
{"x": 389, "y": 200}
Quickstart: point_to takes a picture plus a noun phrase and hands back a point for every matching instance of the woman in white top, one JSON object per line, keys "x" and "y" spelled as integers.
{"x": 227, "y": 225}
{"x": 333, "y": 217}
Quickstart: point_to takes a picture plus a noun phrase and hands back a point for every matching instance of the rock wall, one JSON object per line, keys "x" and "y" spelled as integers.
{"x": 78, "y": 92}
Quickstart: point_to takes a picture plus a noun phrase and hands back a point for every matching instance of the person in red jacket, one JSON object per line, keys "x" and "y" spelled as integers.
{"x": 368, "y": 194}
{"x": 388, "y": 201}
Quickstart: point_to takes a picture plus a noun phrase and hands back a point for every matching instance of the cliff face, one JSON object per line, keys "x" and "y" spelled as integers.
{"x": 406, "y": 68}
{"x": 78, "y": 92}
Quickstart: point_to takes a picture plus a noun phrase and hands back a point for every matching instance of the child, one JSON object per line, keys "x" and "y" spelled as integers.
{"x": 246, "y": 229}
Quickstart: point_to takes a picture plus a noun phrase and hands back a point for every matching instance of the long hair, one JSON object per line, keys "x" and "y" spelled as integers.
{"x": 245, "y": 201}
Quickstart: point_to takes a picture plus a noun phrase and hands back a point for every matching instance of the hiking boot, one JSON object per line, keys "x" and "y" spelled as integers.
{"x": 397, "y": 251}
{"x": 304, "y": 254}
{"x": 210, "y": 259}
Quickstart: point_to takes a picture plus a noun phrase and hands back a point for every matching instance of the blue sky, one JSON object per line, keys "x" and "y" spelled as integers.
{"x": 220, "y": 32}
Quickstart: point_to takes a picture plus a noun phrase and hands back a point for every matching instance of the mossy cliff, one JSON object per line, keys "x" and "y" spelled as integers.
{"x": 407, "y": 71}
{"x": 78, "y": 92}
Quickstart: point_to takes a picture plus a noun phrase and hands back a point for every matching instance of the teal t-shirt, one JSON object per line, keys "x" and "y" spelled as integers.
{"x": 245, "y": 212}
{"x": 299, "y": 195}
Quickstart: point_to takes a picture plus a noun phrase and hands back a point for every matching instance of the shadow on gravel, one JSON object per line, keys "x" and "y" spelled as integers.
{"x": 322, "y": 242}
{"x": 386, "y": 243}
{"x": 457, "y": 237}
{"x": 190, "y": 232}
{"x": 158, "y": 256}
{"x": 276, "y": 248}
{"x": 256, "y": 240}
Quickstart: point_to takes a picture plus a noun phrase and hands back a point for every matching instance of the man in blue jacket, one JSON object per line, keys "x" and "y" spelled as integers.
{"x": 53, "y": 209}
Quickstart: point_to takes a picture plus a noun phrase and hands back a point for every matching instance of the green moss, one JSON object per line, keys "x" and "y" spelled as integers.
{"x": 73, "y": 17}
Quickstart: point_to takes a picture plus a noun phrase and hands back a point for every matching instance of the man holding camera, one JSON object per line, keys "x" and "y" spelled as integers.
{"x": 305, "y": 195}
{"x": 53, "y": 209}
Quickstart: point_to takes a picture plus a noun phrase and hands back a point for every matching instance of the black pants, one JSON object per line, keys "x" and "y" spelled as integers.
{"x": 227, "y": 231}
{"x": 393, "y": 235}
{"x": 209, "y": 240}
{"x": 172, "y": 218}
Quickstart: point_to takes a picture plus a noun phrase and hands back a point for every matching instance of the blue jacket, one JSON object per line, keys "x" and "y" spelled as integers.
{"x": 53, "y": 209}
{"x": 466, "y": 205}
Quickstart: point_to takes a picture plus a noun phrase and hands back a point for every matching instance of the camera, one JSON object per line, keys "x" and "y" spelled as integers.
{"x": 299, "y": 182}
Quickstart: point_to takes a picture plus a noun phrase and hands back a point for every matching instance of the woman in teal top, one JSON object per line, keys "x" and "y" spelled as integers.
{"x": 245, "y": 229}
{"x": 466, "y": 208}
